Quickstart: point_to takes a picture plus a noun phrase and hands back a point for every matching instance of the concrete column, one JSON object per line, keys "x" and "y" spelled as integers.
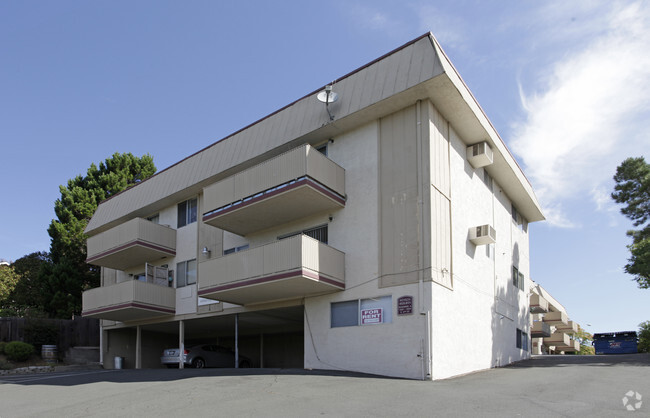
{"x": 236, "y": 341}
{"x": 262, "y": 351}
{"x": 181, "y": 343}
{"x": 101, "y": 343}
{"x": 138, "y": 347}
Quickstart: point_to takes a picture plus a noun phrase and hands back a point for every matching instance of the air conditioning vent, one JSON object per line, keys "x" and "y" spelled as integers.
{"x": 483, "y": 235}
{"x": 480, "y": 155}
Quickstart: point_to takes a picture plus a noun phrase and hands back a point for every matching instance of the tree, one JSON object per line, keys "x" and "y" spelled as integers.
{"x": 69, "y": 275}
{"x": 585, "y": 339}
{"x": 633, "y": 190}
{"x": 644, "y": 337}
{"x": 8, "y": 280}
{"x": 28, "y": 298}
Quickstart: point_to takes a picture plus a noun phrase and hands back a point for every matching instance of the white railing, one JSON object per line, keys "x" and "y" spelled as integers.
{"x": 126, "y": 292}
{"x": 275, "y": 172}
{"x": 137, "y": 229}
{"x": 281, "y": 256}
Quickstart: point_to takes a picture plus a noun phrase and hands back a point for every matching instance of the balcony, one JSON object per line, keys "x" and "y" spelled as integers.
{"x": 538, "y": 304}
{"x": 132, "y": 243}
{"x": 556, "y": 318}
{"x": 291, "y": 268}
{"x": 540, "y": 329}
{"x": 571, "y": 347}
{"x": 558, "y": 339}
{"x": 291, "y": 186}
{"x": 129, "y": 301}
{"x": 569, "y": 328}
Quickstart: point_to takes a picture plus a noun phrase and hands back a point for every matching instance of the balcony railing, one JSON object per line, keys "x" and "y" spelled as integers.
{"x": 569, "y": 328}
{"x": 132, "y": 243}
{"x": 299, "y": 183}
{"x": 540, "y": 329}
{"x": 556, "y": 318}
{"x": 538, "y": 304}
{"x": 129, "y": 301}
{"x": 291, "y": 268}
{"x": 558, "y": 339}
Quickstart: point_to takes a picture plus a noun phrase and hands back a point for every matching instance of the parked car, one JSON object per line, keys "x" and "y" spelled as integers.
{"x": 205, "y": 355}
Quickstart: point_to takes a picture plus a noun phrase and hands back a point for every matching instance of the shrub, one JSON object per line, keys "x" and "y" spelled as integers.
{"x": 18, "y": 351}
{"x": 39, "y": 332}
{"x": 2, "y": 347}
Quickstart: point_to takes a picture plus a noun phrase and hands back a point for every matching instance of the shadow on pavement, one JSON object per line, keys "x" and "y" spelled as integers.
{"x": 82, "y": 377}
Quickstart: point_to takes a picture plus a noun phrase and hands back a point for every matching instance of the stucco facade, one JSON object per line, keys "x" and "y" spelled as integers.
{"x": 385, "y": 233}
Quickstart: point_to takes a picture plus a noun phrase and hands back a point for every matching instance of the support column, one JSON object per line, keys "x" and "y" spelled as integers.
{"x": 101, "y": 342}
{"x": 236, "y": 341}
{"x": 181, "y": 343}
{"x": 262, "y": 350}
{"x": 138, "y": 347}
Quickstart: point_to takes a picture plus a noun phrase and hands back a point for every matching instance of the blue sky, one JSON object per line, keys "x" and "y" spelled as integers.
{"x": 565, "y": 84}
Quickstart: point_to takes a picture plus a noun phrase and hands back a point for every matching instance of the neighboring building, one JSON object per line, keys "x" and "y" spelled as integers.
{"x": 551, "y": 329}
{"x": 378, "y": 234}
{"x": 4, "y": 262}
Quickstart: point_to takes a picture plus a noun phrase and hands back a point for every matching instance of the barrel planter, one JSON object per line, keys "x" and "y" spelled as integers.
{"x": 49, "y": 353}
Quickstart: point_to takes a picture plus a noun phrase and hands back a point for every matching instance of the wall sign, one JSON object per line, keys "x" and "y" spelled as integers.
{"x": 371, "y": 316}
{"x": 405, "y": 305}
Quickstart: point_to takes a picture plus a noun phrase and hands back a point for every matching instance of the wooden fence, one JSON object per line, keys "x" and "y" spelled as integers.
{"x": 78, "y": 332}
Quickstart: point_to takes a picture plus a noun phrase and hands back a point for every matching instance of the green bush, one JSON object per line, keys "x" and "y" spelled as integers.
{"x": 2, "y": 347}
{"x": 39, "y": 332}
{"x": 18, "y": 351}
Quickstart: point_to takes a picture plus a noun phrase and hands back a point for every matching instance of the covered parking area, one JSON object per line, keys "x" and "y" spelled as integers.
{"x": 272, "y": 338}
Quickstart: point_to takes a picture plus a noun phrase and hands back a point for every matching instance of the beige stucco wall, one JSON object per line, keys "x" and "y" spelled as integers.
{"x": 474, "y": 325}
{"x": 389, "y": 349}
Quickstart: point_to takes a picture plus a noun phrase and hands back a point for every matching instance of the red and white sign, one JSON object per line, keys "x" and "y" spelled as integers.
{"x": 371, "y": 316}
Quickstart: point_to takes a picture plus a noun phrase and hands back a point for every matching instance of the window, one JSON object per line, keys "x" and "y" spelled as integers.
{"x": 362, "y": 312}
{"x": 322, "y": 149}
{"x": 518, "y": 279}
{"x": 154, "y": 218}
{"x": 235, "y": 249}
{"x": 487, "y": 179}
{"x": 187, "y": 212}
{"x": 186, "y": 273}
{"x": 319, "y": 233}
{"x": 522, "y": 339}
{"x": 518, "y": 219}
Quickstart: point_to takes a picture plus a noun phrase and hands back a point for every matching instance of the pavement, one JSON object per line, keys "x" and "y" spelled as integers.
{"x": 547, "y": 386}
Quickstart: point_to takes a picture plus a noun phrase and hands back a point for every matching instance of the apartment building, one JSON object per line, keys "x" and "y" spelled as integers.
{"x": 552, "y": 331}
{"x": 378, "y": 224}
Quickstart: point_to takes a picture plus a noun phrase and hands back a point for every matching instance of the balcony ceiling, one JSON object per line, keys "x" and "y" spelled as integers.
{"x": 129, "y": 255}
{"x": 285, "y": 286}
{"x": 297, "y": 201}
{"x": 131, "y": 311}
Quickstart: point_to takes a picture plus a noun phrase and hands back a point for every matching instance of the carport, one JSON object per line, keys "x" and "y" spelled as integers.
{"x": 268, "y": 338}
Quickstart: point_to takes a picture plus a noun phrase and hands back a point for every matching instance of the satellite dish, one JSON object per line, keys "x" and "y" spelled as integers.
{"x": 326, "y": 96}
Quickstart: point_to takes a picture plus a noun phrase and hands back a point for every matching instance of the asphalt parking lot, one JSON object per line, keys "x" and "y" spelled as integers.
{"x": 550, "y": 386}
